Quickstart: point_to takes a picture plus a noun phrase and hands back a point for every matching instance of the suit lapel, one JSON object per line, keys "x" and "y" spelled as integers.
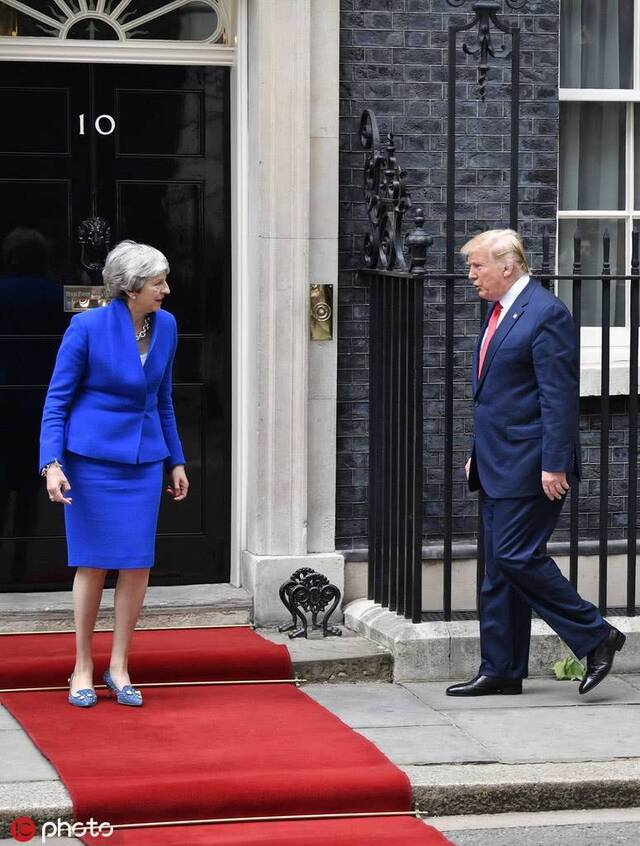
{"x": 154, "y": 332}
{"x": 146, "y": 368}
{"x": 126, "y": 347}
{"x": 506, "y": 325}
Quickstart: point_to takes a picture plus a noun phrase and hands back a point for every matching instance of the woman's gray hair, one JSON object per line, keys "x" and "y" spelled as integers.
{"x": 127, "y": 267}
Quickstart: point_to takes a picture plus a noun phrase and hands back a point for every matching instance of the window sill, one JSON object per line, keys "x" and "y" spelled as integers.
{"x": 591, "y": 373}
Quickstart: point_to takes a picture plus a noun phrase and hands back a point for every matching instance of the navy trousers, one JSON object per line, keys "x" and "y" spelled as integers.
{"x": 520, "y": 576}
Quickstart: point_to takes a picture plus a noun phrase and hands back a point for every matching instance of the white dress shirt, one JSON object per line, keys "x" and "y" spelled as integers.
{"x": 508, "y": 299}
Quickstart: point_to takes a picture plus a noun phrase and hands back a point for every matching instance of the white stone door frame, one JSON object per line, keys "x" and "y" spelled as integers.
{"x": 177, "y": 53}
{"x": 284, "y": 207}
{"x": 290, "y": 405}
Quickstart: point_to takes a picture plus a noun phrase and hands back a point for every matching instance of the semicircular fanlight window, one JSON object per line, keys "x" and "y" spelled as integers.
{"x": 205, "y": 21}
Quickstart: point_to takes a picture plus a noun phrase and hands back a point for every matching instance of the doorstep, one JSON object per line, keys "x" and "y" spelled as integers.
{"x": 349, "y": 658}
{"x": 164, "y": 606}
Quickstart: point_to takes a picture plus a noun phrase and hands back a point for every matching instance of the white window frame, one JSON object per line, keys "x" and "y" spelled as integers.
{"x": 590, "y": 338}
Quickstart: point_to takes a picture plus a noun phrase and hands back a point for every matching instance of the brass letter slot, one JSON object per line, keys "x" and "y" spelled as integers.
{"x": 321, "y": 312}
{"x": 82, "y": 297}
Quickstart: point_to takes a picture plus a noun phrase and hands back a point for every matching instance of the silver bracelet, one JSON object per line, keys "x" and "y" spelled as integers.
{"x": 54, "y": 463}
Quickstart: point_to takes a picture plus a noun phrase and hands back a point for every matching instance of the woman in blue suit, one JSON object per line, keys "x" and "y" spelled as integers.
{"x": 108, "y": 431}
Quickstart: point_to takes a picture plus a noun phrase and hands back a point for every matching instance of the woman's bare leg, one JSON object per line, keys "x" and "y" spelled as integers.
{"x": 130, "y": 590}
{"x": 87, "y": 593}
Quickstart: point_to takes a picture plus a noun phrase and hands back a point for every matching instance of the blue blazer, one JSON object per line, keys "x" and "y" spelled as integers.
{"x": 525, "y": 415}
{"x": 102, "y": 402}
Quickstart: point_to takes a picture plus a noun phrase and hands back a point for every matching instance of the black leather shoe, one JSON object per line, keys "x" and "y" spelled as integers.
{"x": 600, "y": 661}
{"x": 485, "y": 686}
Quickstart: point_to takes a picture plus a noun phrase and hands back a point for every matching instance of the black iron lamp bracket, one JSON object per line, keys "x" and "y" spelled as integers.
{"x": 486, "y": 14}
{"x": 308, "y": 591}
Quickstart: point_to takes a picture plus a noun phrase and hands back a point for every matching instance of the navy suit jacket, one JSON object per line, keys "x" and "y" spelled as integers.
{"x": 525, "y": 415}
{"x": 102, "y": 402}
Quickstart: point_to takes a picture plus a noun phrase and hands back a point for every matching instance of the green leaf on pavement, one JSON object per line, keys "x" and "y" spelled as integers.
{"x": 568, "y": 669}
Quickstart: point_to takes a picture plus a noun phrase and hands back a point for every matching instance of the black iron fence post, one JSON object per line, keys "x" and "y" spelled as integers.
{"x": 576, "y": 303}
{"x": 603, "y": 551}
{"x": 632, "y": 492}
{"x": 485, "y": 18}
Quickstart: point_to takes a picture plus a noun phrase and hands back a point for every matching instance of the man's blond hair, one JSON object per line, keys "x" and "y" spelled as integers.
{"x": 502, "y": 244}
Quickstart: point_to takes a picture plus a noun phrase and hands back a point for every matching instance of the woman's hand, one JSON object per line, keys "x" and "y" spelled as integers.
{"x": 57, "y": 486}
{"x": 179, "y": 486}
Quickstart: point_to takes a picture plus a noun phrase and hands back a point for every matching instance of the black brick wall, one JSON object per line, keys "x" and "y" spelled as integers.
{"x": 394, "y": 61}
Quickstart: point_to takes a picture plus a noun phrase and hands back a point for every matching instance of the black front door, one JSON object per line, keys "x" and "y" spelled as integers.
{"x": 145, "y": 150}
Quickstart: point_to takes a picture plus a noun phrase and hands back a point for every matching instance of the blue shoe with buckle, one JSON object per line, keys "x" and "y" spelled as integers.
{"x": 126, "y": 695}
{"x": 84, "y": 698}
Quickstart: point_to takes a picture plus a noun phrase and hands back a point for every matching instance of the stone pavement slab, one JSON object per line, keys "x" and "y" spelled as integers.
{"x": 514, "y": 735}
{"x": 610, "y": 826}
{"x": 21, "y": 761}
{"x": 371, "y": 705}
{"x": 537, "y": 693}
{"x": 555, "y": 819}
{"x": 421, "y": 745}
{"x": 7, "y": 722}
{"x": 611, "y": 834}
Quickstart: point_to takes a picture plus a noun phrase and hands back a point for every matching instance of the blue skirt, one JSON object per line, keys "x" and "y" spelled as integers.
{"x": 111, "y": 523}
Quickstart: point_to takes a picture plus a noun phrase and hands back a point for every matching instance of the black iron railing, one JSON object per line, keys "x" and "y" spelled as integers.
{"x": 397, "y": 280}
{"x": 397, "y": 271}
{"x": 396, "y": 415}
{"x": 395, "y": 380}
{"x": 605, "y": 279}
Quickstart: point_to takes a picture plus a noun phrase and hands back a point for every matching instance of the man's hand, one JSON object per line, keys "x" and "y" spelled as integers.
{"x": 554, "y": 485}
{"x": 467, "y": 468}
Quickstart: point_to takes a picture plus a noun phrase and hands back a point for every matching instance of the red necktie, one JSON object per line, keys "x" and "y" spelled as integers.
{"x": 488, "y": 335}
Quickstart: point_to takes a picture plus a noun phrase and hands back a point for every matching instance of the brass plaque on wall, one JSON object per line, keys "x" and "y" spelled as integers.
{"x": 321, "y": 312}
{"x": 82, "y": 297}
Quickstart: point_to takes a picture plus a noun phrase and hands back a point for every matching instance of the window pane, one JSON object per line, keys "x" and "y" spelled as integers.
{"x": 596, "y": 44}
{"x": 14, "y": 23}
{"x": 191, "y": 20}
{"x": 591, "y": 232}
{"x": 592, "y": 160}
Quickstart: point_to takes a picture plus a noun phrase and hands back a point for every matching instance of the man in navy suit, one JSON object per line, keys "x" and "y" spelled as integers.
{"x": 525, "y": 456}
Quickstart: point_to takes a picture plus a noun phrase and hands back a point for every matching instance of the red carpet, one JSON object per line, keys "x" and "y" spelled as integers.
{"x": 157, "y": 655}
{"x": 207, "y": 752}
